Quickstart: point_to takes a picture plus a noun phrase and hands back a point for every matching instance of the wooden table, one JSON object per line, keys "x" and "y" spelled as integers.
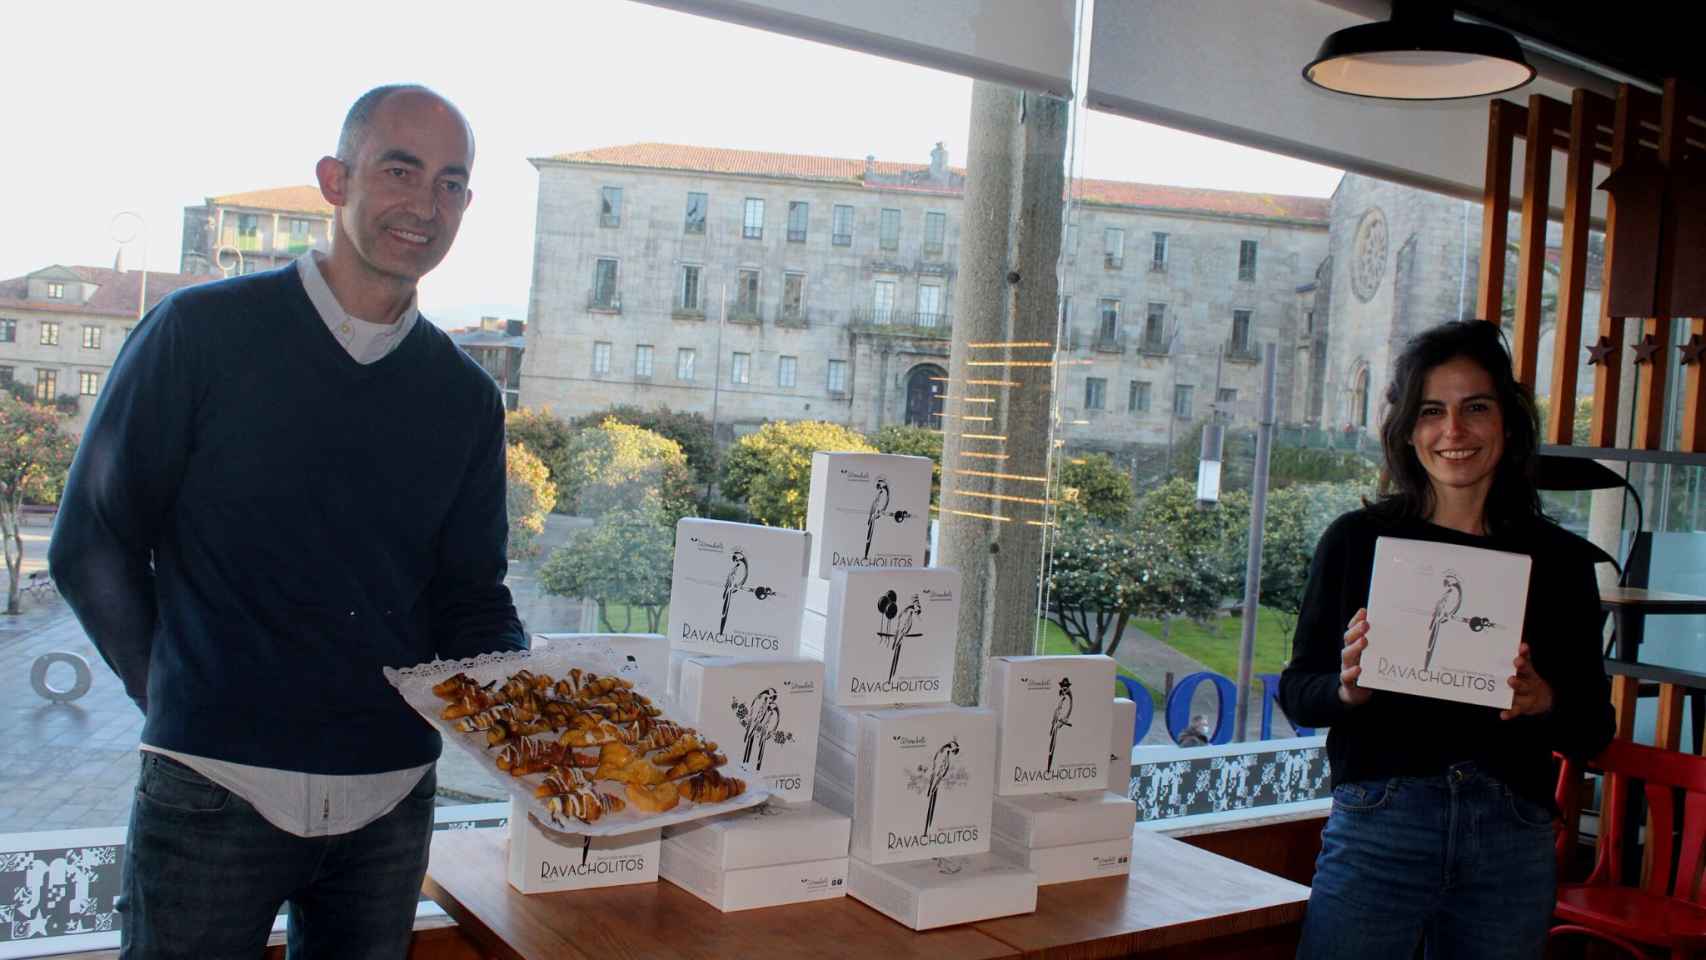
{"x": 1180, "y": 901}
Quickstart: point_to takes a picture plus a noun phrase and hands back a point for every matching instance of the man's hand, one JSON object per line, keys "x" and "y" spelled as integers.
{"x": 1350, "y": 662}
{"x": 1533, "y": 695}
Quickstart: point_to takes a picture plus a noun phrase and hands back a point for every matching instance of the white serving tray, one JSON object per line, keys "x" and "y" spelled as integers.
{"x": 415, "y": 684}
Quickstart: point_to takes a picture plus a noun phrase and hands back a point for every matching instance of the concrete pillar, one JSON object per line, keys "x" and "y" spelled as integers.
{"x": 1008, "y": 299}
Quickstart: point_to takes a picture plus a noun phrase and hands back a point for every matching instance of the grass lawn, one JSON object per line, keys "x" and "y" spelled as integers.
{"x": 626, "y": 619}
{"x": 1055, "y": 641}
{"x": 1215, "y": 645}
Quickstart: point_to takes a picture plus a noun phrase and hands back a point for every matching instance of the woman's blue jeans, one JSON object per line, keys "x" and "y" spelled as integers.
{"x": 204, "y": 875}
{"x": 1458, "y": 862}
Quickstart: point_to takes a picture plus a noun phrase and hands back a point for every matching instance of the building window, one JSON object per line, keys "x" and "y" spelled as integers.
{"x": 935, "y": 233}
{"x": 1240, "y": 342}
{"x": 1108, "y": 330}
{"x": 741, "y": 371}
{"x": 1247, "y": 260}
{"x": 8, "y": 331}
{"x": 299, "y": 230}
{"x": 882, "y": 301}
{"x": 610, "y": 207}
{"x": 798, "y": 213}
{"x": 787, "y": 371}
{"x": 1226, "y": 396}
{"x": 643, "y": 361}
{"x": 687, "y": 298}
{"x": 686, "y": 359}
{"x": 604, "y": 285}
{"x": 752, "y": 223}
{"x": 1113, "y": 248}
{"x": 1159, "y": 263}
{"x": 56, "y": 291}
{"x": 837, "y": 377}
{"x": 696, "y": 204}
{"x": 1155, "y": 328}
{"x": 50, "y": 333}
{"x": 88, "y": 384}
{"x": 1071, "y": 240}
{"x": 5, "y": 375}
{"x": 91, "y": 336}
{"x": 1137, "y": 401}
{"x": 929, "y": 305}
{"x": 888, "y": 230}
{"x": 793, "y": 296}
{"x": 746, "y": 294}
{"x": 1182, "y": 401}
{"x": 1095, "y": 393}
{"x": 47, "y": 385}
{"x": 841, "y": 226}
{"x": 600, "y": 358}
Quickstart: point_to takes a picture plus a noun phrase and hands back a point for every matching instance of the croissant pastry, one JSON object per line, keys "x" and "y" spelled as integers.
{"x": 600, "y": 732}
{"x": 695, "y": 762}
{"x": 618, "y": 762}
{"x": 469, "y": 702}
{"x": 712, "y": 787}
{"x": 681, "y": 747}
{"x": 654, "y": 799}
{"x": 535, "y": 756}
{"x": 452, "y": 688}
{"x": 659, "y": 735}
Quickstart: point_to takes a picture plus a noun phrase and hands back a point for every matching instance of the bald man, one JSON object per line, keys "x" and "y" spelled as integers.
{"x": 291, "y": 482}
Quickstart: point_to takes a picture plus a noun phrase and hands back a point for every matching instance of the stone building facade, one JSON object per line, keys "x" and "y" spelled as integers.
{"x": 61, "y": 329}
{"x": 766, "y": 286}
{"x": 254, "y": 231}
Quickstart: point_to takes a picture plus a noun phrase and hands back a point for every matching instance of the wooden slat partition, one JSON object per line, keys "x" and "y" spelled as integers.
{"x": 1638, "y": 122}
{"x": 1504, "y": 120}
{"x": 1547, "y": 129}
{"x": 1631, "y": 107}
{"x": 1682, "y": 144}
{"x": 1591, "y": 119}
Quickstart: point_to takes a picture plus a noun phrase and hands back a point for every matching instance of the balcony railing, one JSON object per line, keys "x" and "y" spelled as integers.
{"x": 796, "y": 236}
{"x": 746, "y": 313}
{"x": 1153, "y": 347}
{"x": 604, "y": 301}
{"x": 685, "y": 311}
{"x": 932, "y": 249}
{"x": 798, "y": 319}
{"x": 1107, "y": 342}
{"x": 1242, "y": 351}
{"x": 1113, "y": 262}
{"x": 841, "y": 239}
{"x": 902, "y": 323}
{"x": 247, "y": 242}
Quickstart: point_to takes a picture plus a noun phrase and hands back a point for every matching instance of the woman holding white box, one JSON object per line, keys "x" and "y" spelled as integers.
{"x": 1442, "y": 811}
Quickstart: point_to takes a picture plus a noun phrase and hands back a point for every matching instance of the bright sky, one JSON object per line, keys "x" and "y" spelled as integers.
{"x": 152, "y": 107}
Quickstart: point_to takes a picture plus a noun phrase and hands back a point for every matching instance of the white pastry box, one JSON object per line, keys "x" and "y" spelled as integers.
{"x": 1069, "y": 862}
{"x": 763, "y": 713}
{"x": 924, "y": 784}
{"x": 644, "y": 656}
{"x": 1119, "y": 748}
{"x": 1448, "y": 620}
{"x": 942, "y": 891}
{"x": 868, "y": 510}
{"x": 833, "y": 795}
{"x": 738, "y": 589}
{"x": 889, "y": 635}
{"x": 746, "y": 889}
{"x": 837, "y": 764}
{"x": 1055, "y": 714}
{"x": 765, "y": 835}
{"x": 546, "y": 861}
{"x": 1053, "y": 819}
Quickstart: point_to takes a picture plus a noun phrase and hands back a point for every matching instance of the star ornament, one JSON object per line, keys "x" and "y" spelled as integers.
{"x": 1694, "y": 351}
{"x": 1646, "y": 349}
{"x": 1600, "y": 352}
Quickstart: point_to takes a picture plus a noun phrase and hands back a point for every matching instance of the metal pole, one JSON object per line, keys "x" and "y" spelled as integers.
{"x": 1253, "y": 564}
{"x": 717, "y": 364}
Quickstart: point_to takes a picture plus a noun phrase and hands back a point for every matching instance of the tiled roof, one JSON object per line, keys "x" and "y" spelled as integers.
{"x": 305, "y": 199}
{"x": 116, "y": 296}
{"x": 668, "y": 156}
{"x": 671, "y": 156}
{"x": 1224, "y": 202}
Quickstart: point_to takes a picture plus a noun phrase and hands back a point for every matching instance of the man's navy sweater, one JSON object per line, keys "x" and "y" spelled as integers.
{"x": 255, "y": 525}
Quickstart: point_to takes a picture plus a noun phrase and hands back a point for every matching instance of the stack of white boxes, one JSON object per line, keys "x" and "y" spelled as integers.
{"x": 865, "y": 511}
{"x": 734, "y": 675}
{"x": 1053, "y": 809}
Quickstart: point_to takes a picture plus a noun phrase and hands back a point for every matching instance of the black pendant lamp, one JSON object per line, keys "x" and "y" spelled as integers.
{"x": 1422, "y": 53}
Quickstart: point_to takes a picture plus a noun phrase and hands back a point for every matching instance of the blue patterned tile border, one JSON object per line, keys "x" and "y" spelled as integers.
{"x": 1173, "y": 782}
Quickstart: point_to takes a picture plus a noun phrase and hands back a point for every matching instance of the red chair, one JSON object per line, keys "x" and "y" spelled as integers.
{"x": 1660, "y": 914}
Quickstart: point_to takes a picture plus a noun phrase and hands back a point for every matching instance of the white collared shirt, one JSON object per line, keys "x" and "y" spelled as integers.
{"x": 312, "y": 804}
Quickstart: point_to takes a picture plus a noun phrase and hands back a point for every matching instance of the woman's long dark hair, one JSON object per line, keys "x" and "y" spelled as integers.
{"x": 1405, "y": 488}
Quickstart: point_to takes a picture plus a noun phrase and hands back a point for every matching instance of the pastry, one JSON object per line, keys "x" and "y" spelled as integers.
{"x": 712, "y": 787}
{"x": 654, "y": 799}
{"x": 695, "y": 762}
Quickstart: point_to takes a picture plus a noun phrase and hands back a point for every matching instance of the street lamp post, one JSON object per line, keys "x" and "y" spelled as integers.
{"x": 123, "y": 231}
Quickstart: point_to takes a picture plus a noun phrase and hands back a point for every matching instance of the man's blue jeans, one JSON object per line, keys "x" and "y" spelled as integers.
{"x": 1458, "y": 862}
{"x": 204, "y": 875}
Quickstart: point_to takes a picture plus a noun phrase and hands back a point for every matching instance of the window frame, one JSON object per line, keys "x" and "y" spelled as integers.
{"x": 936, "y": 317}
{"x": 799, "y": 307}
{"x": 687, "y": 358}
{"x": 1095, "y": 393}
{"x": 56, "y": 291}
{"x": 935, "y": 237}
{"x": 1156, "y": 320}
{"x": 681, "y": 289}
{"x": 1247, "y": 270}
{"x": 1185, "y": 392}
{"x": 1140, "y": 396}
{"x": 49, "y": 334}
{"x": 740, "y": 374}
{"x": 8, "y": 330}
{"x": 1158, "y": 255}
{"x": 48, "y": 377}
{"x": 601, "y": 350}
{"x": 787, "y": 371}
{"x": 749, "y": 296}
{"x": 836, "y": 237}
{"x": 836, "y": 385}
{"x": 88, "y": 383}
{"x": 644, "y": 361}
{"x": 609, "y": 206}
{"x": 799, "y": 220}
{"x": 1113, "y": 247}
{"x": 688, "y": 224}
{"x": 887, "y": 238}
{"x": 612, "y": 299}
{"x": 752, "y": 219}
{"x": 1247, "y": 317}
{"x": 92, "y": 336}
{"x": 1105, "y": 335}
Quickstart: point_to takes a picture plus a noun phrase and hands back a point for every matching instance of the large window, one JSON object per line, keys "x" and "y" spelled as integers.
{"x": 686, "y": 358}
{"x": 1108, "y": 327}
{"x": 687, "y": 293}
{"x": 935, "y": 233}
{"x": 610, "y": 207}
{"x": 1158, "y": 260}
{"x": 793, "y": 296}
{"x": 930, "y": 305}
{"x": 888, "y": 230}
{"x": 8, "y": 331}
{"x": 47, "y": 385}
{"x": 799, "y": 212}
{"x": 1113, "y": 248}
{"x": 746, "y": 295}
{"x": 837, "y": 380}
{"x": 88, "y": 383}
{"x": 787, "y": 369}
{"x": 1095, "y": 393}
{"x": 1247, "y": 260}
{"x": 50, "y": 333}
{"x": 1155, "y": 328}
{"x": 740, "y": 370}
{"x": 91, "y": 336}
{"x": 600, "y": 358}
{"x": 1182, "y": 400}
{"x": 752, "y": 220}
{"x": 695, "y": 219}
{"x": 1240, "y": 342}
{"x": 643, "y": 361}
{"x": 882, "y": 301}
{"x": 1137, "y": 399}
{"x": 841, "y": 226}
{"x": 604, "y": 296}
